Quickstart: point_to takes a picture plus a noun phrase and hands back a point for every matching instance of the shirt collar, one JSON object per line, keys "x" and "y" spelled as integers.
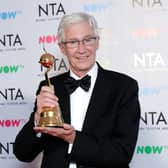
{"x": 92, "y": 72}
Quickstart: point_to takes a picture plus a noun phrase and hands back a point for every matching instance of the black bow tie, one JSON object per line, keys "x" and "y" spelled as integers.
{"x": 71, "y": 84}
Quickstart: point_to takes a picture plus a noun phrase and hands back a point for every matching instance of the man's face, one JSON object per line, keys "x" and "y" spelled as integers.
{"x": 80, "y": 47}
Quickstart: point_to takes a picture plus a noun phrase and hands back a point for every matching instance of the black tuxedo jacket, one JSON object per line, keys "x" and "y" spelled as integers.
{"x": 109, "y": 133}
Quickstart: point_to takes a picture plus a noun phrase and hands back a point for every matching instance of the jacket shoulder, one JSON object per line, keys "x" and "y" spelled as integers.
{"x": 117, "y": 76}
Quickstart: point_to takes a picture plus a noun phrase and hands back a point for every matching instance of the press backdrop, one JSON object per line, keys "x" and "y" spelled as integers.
{"x": 134, "y": 40}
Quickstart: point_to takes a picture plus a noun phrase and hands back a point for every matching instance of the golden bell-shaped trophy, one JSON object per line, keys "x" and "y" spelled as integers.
{"x": 50, "y": 116}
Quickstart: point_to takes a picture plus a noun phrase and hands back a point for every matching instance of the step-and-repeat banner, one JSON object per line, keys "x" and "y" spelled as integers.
{"x": 134, "y": 40}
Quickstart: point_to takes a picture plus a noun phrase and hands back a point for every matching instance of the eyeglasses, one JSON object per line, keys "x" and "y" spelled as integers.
{"x": 75, "y": 43}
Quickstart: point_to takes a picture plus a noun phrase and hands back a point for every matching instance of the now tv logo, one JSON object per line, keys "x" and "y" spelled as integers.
{"x": 10, "y": 68}
{"x": 151, "y": 149}
{"x": 12, "y": 123}
{"x": 48, "y": 39}
{"x": 8, "y": 15}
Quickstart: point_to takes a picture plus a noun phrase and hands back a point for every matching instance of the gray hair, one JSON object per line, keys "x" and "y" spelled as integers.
{"x": 75, "y": 18}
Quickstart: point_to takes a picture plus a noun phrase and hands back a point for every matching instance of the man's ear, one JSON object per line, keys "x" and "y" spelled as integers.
{"x": 62, "y": 47}
{"x": 97, "y": 47}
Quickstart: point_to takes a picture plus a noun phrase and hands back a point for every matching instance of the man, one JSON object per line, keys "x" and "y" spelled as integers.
{"x": 101, "y": 122}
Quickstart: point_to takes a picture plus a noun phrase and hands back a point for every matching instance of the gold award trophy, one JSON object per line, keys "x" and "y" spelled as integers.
{"x": 50, "y": 116}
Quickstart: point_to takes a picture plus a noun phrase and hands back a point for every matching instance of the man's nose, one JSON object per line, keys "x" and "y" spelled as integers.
{"x": 81, "y": 46}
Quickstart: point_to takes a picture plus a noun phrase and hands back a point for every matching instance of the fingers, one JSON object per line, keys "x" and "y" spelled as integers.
{"x": 56, "y": 131}
{"x": 46, "y": 98}
{"x": 67, "y": 133}
{"x": 47, "y": 89}
{"x": 67, "y": 126}
{"x": 48, "y": 92}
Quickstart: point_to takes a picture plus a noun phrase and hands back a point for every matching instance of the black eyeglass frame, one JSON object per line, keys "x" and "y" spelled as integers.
{"x": 85, "y": 41}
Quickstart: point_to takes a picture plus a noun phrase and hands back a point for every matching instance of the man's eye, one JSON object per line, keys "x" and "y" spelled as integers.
{"x": 88, "y": 40}
{"x": 72, "y": 42}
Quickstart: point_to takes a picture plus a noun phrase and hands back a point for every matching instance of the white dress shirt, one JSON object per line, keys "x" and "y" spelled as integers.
{"x": 79, "y": 101}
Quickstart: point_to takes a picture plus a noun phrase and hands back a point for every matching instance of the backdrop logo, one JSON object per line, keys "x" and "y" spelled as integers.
{"x": 11, "y": 42}
{"x": 149, "y": 91}
{"x": 50, "y": 11}
{"x": 9, "y": 15}
{"x": 58, "y": 67}
{"x": 146, "y": 33}
{"x": 11, "y": 96}
{"x": 153, "y": 91}
{"x": 151, "y": 149}
{"x": 48, "y": 39}
{"x": 7, "y": 69}
{"x": 97, "y": 7}
{"x": 6, "y": 150}
{"x": 153, "y": 120}
{"x": 149, "y": 61}
{"x": 147, "y": 3}
{"x": 12, "y": 123}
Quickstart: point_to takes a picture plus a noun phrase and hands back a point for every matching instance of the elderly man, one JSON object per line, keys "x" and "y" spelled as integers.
{"x": 101, "y": 116}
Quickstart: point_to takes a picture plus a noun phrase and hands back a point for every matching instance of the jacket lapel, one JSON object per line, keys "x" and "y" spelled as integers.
{"x": 100, "y": 92}
{"x": 94, "y": 108}
{"x": 64, "y": 98}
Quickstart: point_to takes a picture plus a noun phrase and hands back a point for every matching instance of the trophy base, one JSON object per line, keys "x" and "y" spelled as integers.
{"x": 50, "y": 118}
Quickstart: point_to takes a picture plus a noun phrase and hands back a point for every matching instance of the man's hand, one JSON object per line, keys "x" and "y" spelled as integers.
{"x": 46, "y": 98}
{"x": 67, "y": 133}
